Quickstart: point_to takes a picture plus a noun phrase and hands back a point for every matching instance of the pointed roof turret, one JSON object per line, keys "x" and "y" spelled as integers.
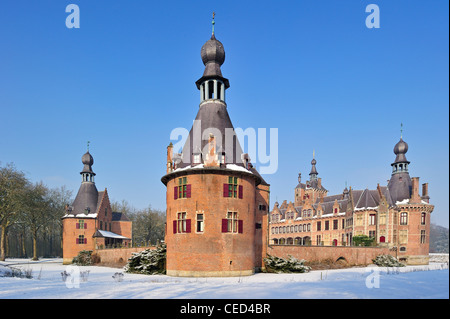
{"x": 87, "y": 197}
{"x": 400, "y": 184}
{"x": 313, "y": 174}
{"x": 212, "y": 117}
{"x": 213, "y": 56}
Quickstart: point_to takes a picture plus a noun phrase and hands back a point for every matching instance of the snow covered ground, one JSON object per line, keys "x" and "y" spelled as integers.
{"x": 430, "y": 281}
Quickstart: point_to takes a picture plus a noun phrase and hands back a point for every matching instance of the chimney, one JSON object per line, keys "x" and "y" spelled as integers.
{"x": 211, "y": 157}
{"x": 379, "y": 190}
{"x": 170, "y": 158}
{"x": 319, "y": 182}
{"x": 415, "y": 198}
{"x": 425, "y": 195}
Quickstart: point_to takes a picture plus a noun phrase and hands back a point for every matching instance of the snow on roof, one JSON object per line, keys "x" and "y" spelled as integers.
{"x": 232, "y": 167}
{"x": 109, "y": 234}
{"x": 235, "y": 167}
{"x": 83, "y": 215}
{"x": 406, "y": 201}
{"x": 365, "y": 208}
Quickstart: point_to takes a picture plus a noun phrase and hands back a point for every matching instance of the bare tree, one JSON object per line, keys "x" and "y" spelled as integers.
{"x": 35, "y": 211}
{"x": 12, "y": 184}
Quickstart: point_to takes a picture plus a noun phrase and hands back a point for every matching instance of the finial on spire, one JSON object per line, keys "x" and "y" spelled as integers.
{"x": 213, "y": 22}
{"x": 314, "y": 152}
{"x": 401, "y": 130}
{"x": 88, "y": 142}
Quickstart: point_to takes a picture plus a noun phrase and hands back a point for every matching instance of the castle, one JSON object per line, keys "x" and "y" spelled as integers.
{"x": 393, "y": 216}
{"x": 217, "y": 203}
{"x": 89, "y": 223}
{"x": 218, "y": 221}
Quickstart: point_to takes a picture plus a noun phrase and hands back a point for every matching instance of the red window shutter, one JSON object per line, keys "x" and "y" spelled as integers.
{"x": 241, "y": 191}
{"x": 225, "y": 190}
{"x": 78, "y": 225}
{"x": 77, "y": 241}
{"x": 188, "y": 191}
{"x": 175, "y": 192}
{"x": 85, "y": 240}
{"x": 188, "y": 225}
{"x": 85, "y": 226}
{"x": 174, "y": 226}
{"x": 225, "y": 224}
{"x": 240, "y": 226}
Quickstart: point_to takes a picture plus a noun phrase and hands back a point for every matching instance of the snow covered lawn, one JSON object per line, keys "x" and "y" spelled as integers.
{"x": 430, "y": 281}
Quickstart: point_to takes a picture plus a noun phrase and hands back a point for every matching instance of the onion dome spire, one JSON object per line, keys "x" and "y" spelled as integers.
{"x": 400, "y": 150}
{"x": 313, "y": 174}
{"x": 400, "y": 183}
{"x": 87, "y": 173}
{"x": 213, "y": 56}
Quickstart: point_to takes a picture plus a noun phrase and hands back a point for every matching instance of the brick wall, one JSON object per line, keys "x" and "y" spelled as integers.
{"x": 117, "y": 257}
{"x": 353, "y": 255}
{"x": 211, "y": 252}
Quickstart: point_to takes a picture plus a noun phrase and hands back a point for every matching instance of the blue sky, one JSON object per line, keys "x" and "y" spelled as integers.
{"x": 126, "y": 78}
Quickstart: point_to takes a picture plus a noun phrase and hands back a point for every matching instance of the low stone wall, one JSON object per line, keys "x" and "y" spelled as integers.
{"x": 438, "y": 258}
{"x": 117, "y": 257}
{"x": 352, "y": 255}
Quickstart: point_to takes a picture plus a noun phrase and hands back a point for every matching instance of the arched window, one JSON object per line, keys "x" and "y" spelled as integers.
{"x": 423, "y": 218}
{"x": 404, "y": 218}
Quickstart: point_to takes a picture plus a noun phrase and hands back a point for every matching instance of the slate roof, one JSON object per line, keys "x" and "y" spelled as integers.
{"x": 118, "y": 216}
{"x": 87, "y": 196}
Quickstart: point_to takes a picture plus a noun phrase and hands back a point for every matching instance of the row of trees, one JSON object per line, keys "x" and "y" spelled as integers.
{"x": 28, "y": 212}
{"x": 30, "y": 217}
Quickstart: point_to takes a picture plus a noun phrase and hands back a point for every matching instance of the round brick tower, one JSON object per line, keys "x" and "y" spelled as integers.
{"x": 212, "y": 189}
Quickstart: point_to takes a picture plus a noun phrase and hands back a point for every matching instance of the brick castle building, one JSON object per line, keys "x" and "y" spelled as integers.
{"x": 395, "y": 216}
{"x": 217, "y": 217}
{"x": 218, "y": 223}
{"x": 217, "y": 203}
{"x": 90, "y": 223}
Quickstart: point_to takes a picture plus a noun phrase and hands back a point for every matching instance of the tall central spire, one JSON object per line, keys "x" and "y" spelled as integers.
{"x": 313, "y": 174}
{"x": 400, "y": 183}
{"x": 212, "y": 117}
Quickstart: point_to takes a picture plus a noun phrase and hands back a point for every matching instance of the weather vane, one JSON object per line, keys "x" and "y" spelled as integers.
{"x": 401, "y": 130}
{"x": 88, "y": 142}
{"x": 213, "y": 22}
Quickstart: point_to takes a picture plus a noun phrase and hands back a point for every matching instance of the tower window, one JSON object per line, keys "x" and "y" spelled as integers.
{"x": 372, "y": 219}
{"x": 200, "y": 223}
{"x": 81, "y": 240}
{"x": 183, "y": 190}
{"x": 181, "y": 224}
{"x": 232, "y": 224}
{"x": 422, "y": 237}
{"x": 81, "y": 224}
{"x": 404, "y": 218}
{"x": 423, "y": 218}
{"x": 232, "y": 189}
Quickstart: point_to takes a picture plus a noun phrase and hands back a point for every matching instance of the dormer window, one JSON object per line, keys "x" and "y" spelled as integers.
{"x": 197, "y": 158}
{"x": 221, "y": 158}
